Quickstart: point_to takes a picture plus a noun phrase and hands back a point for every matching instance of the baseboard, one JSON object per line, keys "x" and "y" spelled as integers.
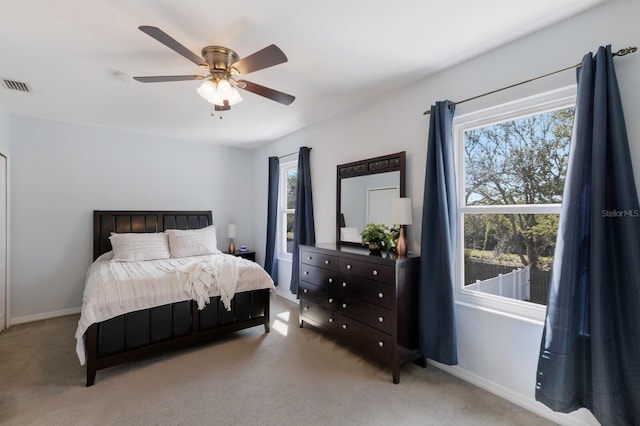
{"x": 46, "y": 315}
{"x": 286, "y": 294}
{"x": 518, "y": 399}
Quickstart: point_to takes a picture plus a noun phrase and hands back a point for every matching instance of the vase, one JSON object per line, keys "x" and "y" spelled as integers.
{"x": 374, "y": 247}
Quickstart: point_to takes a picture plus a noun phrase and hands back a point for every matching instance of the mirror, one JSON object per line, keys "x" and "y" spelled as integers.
{"x": 365, "y": 190}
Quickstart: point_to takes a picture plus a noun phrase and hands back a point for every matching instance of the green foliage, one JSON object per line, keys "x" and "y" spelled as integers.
{"x": 292, "y": 184}
{"x": 505, "y": 259}
{"x": 521, "y": 161}
{"x": 518, "y": 162}
{"x": 527, "y": 237}
{"x": 380, "y": 234}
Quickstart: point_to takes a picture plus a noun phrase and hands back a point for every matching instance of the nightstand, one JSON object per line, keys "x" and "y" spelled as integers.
{"x": 248, "y": 254}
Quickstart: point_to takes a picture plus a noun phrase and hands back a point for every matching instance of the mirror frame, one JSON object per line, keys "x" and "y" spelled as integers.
{"x": 369, "y": 166}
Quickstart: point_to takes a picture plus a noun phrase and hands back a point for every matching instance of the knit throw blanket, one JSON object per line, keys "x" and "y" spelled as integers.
{"x": 219, "y": 272}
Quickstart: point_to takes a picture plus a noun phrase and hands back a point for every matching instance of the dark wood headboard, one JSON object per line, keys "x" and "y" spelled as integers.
{"x": 105, "y": 222}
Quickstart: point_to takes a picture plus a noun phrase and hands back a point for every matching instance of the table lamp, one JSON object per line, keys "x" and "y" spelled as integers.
{"x": 232, "y": 232}
{"x": 401, "y": 215}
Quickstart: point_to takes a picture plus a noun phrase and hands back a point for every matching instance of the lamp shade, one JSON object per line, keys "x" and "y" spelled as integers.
{"x": 217, "y": 92}
{"x": 232, "y": 231}
{"x": 209, "y": 91}
{"x": 401, "y": 211}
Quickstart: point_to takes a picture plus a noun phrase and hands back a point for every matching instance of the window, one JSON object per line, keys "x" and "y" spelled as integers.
{"x": 512, "y": 163}
{"x": 287, "y": 207}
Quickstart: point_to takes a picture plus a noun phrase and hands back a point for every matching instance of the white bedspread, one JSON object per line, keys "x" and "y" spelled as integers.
{"x": 115, "y": 288}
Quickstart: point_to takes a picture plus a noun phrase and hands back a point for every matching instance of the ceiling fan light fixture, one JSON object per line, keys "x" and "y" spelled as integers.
{"x": 228, "y": 93}
{"x": 209, "y": 92}
{"x": 234, "y": 97}
{"x": 224, "y": 86}
{"x": 218, "y": 92}
{"x": 219, "y": 87}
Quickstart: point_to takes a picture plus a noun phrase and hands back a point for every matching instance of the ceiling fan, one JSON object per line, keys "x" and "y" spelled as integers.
{"x": 224, "y": 66}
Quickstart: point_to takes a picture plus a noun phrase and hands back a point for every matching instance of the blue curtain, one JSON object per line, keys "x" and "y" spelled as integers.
{"x": 303, "y": 227}
{"x": 590, "y": 350}
{"x": 271, "y": 260}
{"x": 437, "y": 328}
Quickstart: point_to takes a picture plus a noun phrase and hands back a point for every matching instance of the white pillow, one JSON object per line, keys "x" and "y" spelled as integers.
{"x": 134, "y": 247}
{"x": 193, "y": 242}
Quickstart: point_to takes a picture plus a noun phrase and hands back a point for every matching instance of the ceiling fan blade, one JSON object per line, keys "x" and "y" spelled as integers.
{"x": 172, "y": 44}
{"x": 268, "y": 93}
{"x": 163, "y": 78}
{"x": 265, "y": 58}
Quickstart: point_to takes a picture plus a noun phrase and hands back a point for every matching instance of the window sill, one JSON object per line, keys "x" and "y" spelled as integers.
{"x": 511, "y": 308}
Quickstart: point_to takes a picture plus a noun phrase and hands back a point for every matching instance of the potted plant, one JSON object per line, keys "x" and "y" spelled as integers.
{"x": 376, "y": 237}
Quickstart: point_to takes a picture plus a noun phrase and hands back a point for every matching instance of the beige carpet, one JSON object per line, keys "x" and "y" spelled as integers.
{"x": 290, "y": 376}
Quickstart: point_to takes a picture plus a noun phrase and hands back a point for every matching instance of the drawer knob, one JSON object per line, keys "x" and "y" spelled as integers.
{"x": 306, "y": 272}
{"x": 306, "y": 308}
{"x": 381, "y": 344}
{"x": 380, "y": 319}
{"x": 330, "y": 320}
{"x": 344, "y": 326}
{"x": 344, "y": 306}
{"x": 309, "y": 258}
{"x": 330, "y": 300}
{"x": 330, "y": 280}
{"x": 375, "y": 272}
{"x": 326, "y": 262}
{"x": 348, "y": 266}
{"x": 380, "y": 295}
{"x": 305, "y": 290}
{"x": 344, "y": 285}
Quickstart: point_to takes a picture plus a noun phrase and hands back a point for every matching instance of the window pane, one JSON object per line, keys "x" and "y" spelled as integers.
{"x": 290, "y": 217}
{"x": 523, "y": 161}
{"x": 292, "y": 180}
{"x": 502, "y": 243}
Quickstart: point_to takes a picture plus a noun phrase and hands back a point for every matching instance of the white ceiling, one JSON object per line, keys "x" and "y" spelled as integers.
{"x": 77, "y": 56}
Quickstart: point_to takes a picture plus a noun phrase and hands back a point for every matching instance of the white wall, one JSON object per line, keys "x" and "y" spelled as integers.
{"x": 61, "y": 172}
{"x": 495, "y": 351}
{"x": 4, "y": 150}
{"x": 4, "y": 132}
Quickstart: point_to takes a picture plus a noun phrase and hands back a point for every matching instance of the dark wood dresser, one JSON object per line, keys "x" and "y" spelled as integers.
{"x": 367, "y": 302}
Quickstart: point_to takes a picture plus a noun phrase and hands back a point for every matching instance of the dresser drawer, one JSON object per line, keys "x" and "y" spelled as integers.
{"x": 319, "y": 259}
{"x": 366, "y": 302}
{"x": 319, "y": 295}
{"x": 321, "y": 277}
{"x": 370, "y": 291}
{"x": 369, "y": 341}
{"x": 318, "y": 316}
{"x": 368, "y": 314}
{"x": 369, "y": 270}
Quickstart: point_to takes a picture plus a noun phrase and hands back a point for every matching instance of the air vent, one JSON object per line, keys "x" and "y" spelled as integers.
{"x": 16, "y": 85}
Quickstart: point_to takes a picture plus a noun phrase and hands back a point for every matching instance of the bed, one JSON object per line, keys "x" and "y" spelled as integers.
{"x": 176, "y": 317}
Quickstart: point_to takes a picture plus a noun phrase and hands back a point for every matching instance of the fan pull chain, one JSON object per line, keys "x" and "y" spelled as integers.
{"x": 213, "y": 113}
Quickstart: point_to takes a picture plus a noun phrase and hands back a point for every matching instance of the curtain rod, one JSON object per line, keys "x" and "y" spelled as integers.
{"x": 620, "y": 52}
{"x": 291, "y": 153}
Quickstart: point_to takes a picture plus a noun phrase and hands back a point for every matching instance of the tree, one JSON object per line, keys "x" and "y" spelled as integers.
{"x": 522, "y": 161}
{"x": 292, "y": 183}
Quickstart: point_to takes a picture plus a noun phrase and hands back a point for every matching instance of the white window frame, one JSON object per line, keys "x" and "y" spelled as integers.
{"x": 283, "y": 210}
{"x": 538, "y": 104}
